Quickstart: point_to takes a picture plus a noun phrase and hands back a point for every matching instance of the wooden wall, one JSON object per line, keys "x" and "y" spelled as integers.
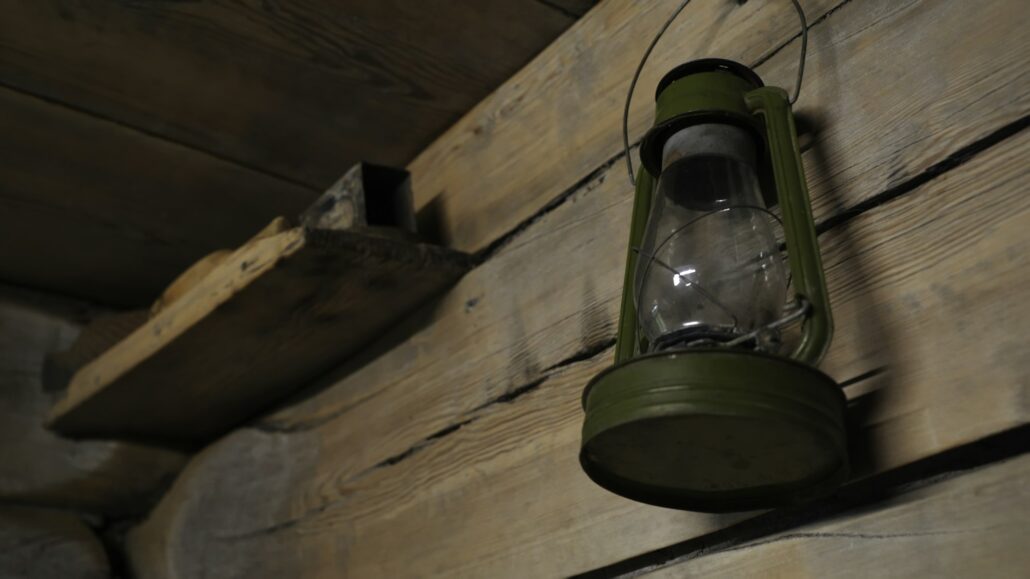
{"x": 453, "y": 453}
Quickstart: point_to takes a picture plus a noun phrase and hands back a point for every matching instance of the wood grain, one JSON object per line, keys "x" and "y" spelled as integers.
{"x": 570, "y": 261}
{"x": 92, "y": 209}
{"x": 972, "y": 525}
{"x": 40, "y": 544}
{"x": 40, "y": 468}
{"x": 505, "y": 490}
{"x": 300, "y": 89}
{"x": 275, "y": 314}
{"x": 420, "y": 443}
{"x": 560, "y": 118}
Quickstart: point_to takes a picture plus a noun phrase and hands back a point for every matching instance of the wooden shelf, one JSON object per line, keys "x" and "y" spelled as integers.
{"x": 277, "y": 314}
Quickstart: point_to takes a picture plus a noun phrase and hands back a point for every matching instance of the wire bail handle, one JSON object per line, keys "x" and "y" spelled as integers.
{"x": 650, "y": 47}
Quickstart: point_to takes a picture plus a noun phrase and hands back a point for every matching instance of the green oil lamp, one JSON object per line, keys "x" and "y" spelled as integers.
{"x": 708, "y": 406}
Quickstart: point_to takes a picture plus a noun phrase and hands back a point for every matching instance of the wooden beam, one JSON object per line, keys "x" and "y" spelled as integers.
{"x": 92, "y": 209}
{"x": 41, "y": 468}
{"x": 301, "y": 90}
{"x": 276, "y": 314}
{"x": 970, "y": 525}
{"x": 560, "y": 118}
{"x": 476, "y": 439}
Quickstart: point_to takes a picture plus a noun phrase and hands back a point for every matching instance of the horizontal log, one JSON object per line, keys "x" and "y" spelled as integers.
{"x": 972, "y": 525}
{"x": 277, "y": 313}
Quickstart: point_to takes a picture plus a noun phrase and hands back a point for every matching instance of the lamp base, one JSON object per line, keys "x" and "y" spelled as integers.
{"x": 714, "y": 430}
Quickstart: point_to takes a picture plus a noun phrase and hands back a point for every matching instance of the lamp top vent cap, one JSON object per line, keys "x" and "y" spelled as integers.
{"x": 708, "y": 65}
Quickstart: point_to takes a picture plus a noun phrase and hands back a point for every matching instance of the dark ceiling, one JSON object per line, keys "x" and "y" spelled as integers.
{"x": 139, "y": 135}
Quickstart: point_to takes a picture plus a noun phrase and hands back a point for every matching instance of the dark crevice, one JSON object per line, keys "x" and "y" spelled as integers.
{"x": 111, "y": 535}
{"x": 163, "y": 138}
{"x": 561, "y": 9}
{"x": 864, "y": 536}
{"x": 956, "y": 159}
{"x": 269, "y": 530}
{"x": 855, "y": 497}
{"x": 513, "y": 395}
{"x": 862, "y": 377}
{"x": 585, "y": 354}
{"x": 420, "y": 445}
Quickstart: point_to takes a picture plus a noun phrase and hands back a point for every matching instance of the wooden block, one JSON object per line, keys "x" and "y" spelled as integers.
{"x": 276, "y": 314}
{"x": 41, "y": 544}
{"x": 971, "y": 525}
{"x": 37, "y": 466}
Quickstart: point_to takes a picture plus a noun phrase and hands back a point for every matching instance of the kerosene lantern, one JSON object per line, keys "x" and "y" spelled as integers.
{"x": 709, "y": 407}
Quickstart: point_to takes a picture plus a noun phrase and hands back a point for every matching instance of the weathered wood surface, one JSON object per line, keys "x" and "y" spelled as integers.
{"x": 37, "y": 466}
{"x": 93, "y": 209}
{"x": 467, "y": 432}
{"x": 277, "y": 313}
{"x": 560, "y": 118}
{"x": 505, "y": 490}
{"x": 41, "y": 544}
{"x": 972, "y": 525}
{"x": 296, "y": 89}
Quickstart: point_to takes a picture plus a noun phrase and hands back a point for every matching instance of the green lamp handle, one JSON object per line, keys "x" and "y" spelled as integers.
{"x": 799, "y": 227}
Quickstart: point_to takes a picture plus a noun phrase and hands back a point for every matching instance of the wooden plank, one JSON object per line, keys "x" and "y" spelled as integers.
{"x": 973, "y": 525}
{"x": 40, "y": 544}
{"x": 103, "y": 331}
{"x": 274, "y": 315}
{"x": 503, "y": 492}
{"x": 40, "y": 468}
{"x": 297, "y": 89}
{"x": 493, "y": 338}
{"x": 92, "y": 209}
{"x": 560, "y": 118}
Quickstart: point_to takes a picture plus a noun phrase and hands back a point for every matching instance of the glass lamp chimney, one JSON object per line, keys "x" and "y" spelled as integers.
{"x": 709, "y": 269}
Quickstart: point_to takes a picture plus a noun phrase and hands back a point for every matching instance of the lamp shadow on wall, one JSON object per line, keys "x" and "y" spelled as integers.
{"x": 869, "y": 391}
{"x": 866, "y": 391}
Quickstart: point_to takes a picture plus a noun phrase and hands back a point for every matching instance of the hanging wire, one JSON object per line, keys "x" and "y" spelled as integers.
{"x": 650, "y": 47}
{"x": 633, "y": 85}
